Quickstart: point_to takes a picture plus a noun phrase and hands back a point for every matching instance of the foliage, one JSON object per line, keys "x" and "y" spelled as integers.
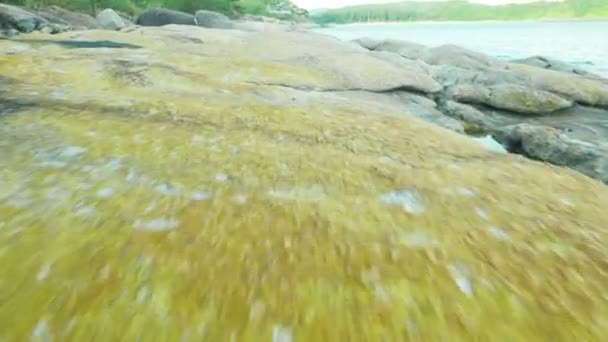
{"x": 463, "y": 10}
{"x": 230, "y": 7}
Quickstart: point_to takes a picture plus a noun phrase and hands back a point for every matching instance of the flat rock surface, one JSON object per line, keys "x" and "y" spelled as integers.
{"x": 160, "y": 188}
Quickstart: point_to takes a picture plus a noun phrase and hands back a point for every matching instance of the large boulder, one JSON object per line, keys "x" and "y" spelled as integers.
{"x": 110, "y": 20}
{"x": 146, "y": 175}
{"x": 515, "y": 98}
{"x": 211, "y": 19}
{"x": 61, "y": 16}
{"x": 163, "y": 16}
{"x": 131, "y": 177}
{"x": 12, "y": 17}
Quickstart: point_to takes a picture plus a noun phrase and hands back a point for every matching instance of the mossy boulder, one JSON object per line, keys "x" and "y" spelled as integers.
{"x": 511, "y": 97}
{"x": 171, "y": 192}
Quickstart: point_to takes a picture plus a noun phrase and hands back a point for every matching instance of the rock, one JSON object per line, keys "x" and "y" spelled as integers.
{"x": 8, "y": 32}
{"x": 443, "y": 55}
{"x": 211, "y": 19}
{"x": 404, "y": 49}
{"x": 63, "y": 17}
{"x": 514, "y": 98}
{"x": 426, "y": 109}
{"x": 460, "y": 57}
{"x": 163, "y": 16}
{"x": 12, "y": 17}
{"x": 464, "y": 113}
{"x": 110, "y": 20}
{"x": 583, "y": 90}
{"x": 132, "y": 174}
{"x": 548, "y": 144}
{"x": 262, "y": 26}
{"x": 368, "y": 43}
{"x": 553, "y": 64}
{"x": 126, "y": 17}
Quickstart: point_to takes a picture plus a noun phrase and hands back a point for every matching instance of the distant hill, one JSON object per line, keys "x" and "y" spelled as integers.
{"x": 459, "y": 10}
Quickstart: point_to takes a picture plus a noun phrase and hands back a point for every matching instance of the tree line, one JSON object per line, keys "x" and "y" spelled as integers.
{"x": 464, "y": 11}
{"x": 133, "y": 7}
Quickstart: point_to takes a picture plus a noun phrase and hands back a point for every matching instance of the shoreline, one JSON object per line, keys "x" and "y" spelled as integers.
{"x": 441, "y": 22}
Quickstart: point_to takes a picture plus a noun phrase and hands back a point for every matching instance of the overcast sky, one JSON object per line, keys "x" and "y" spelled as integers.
{"x": 312, "y": 4}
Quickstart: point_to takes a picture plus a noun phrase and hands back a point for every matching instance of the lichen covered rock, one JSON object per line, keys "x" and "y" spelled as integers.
{"x": 165, "y": 192}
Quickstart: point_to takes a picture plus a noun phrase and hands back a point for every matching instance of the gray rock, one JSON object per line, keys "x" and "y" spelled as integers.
{"x": 426, "y": 109}
{"x": 442, "y": 55}
{"x": 368, "y": 43}
{"x": 110, "y": 20}
{"x": 460, "y": 57}
{"x": 7, "y": 33}
{"x": 60, "y": 16}
{"x": 12, "y": 17}
{"x": 163, "y": 16}
{"x": 464, "y": 113}
{"x": 549, "y": 145}
{"x": 404, "y": 49}
{"x": 512, "y": 97}
{"x": 553, "y": 64}
{"x": 593, "y": 92}
{"x": 449, "y": 75}
{"x": 211, "y": 19}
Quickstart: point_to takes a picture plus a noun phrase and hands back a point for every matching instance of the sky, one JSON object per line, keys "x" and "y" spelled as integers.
{"x": 312, "y": 4}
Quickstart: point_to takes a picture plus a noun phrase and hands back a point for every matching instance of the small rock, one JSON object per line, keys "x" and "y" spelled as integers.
{"x": 108, "y": 19}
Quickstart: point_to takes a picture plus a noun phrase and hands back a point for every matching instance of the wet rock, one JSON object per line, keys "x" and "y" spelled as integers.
{"x": 549, "y": 145}
{"x": 211, "y": 19}
{"x": 163, "y": 16}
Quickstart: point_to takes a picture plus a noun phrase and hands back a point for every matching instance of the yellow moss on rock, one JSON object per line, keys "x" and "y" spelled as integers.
{"x": 184, "y": 207}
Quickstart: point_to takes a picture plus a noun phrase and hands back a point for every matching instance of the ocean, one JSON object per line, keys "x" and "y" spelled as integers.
{"x": 581, "y": 43}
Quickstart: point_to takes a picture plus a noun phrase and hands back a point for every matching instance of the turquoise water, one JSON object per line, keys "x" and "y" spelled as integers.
{"x": 584, "y": 44}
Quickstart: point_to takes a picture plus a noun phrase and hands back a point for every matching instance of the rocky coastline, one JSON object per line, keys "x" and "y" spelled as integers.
{"x": 185, "y": 177}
